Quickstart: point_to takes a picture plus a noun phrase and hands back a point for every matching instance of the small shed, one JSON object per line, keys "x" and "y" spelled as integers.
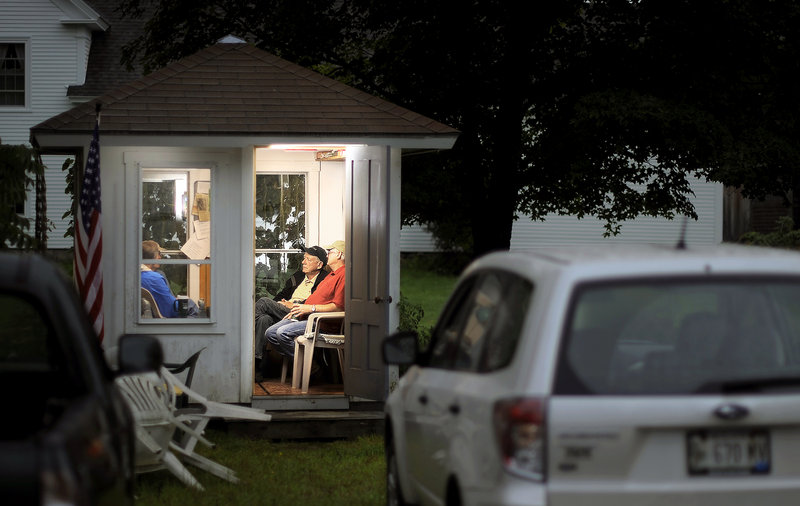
{"x": 232, "y": 158}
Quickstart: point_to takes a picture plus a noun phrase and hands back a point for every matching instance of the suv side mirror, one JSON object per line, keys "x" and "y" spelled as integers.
{"x": 139, "y": 353}
{"x": 401, "y": 348}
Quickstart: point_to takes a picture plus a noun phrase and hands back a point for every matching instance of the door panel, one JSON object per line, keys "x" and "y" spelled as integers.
{"x": 367, "y": 284}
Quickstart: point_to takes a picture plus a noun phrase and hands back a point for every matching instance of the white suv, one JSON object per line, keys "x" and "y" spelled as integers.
{"x": 605, "y": 376}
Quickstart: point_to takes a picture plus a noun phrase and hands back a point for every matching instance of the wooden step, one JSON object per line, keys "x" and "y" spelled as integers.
{"x": 313, "y": 424}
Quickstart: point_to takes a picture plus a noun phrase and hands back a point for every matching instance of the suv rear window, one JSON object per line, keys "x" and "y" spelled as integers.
{"x": 23, "y": 332}
{"x": 681, "y": 336}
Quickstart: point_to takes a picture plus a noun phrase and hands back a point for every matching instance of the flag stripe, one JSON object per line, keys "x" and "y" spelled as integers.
{"x": 89, "y": 239}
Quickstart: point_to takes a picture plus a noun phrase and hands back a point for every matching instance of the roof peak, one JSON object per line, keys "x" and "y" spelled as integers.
{"x": 231, "y": 39}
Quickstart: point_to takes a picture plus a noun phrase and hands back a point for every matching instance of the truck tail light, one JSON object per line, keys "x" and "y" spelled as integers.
{"x": 519, "y": 425}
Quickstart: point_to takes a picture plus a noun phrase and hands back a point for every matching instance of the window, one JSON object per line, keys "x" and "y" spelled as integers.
{"x": 175, "y": 262}
{"x": 12, "y": 74}
{"x": 481, "y": 331}
{"x": 24, "y": 334}
{"x": 679, "y": 336}
{"x": 280, "y": 230}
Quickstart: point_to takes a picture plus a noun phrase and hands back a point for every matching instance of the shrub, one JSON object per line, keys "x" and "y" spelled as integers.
{"x": 785, "y": 236}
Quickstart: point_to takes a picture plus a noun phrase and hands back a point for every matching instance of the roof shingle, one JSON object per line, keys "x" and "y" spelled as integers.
{"x": 231, "y": 89}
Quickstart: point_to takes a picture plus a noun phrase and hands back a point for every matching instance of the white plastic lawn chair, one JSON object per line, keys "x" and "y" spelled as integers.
{"x": 304, "y": 347}
{"x": 166, "y": 436}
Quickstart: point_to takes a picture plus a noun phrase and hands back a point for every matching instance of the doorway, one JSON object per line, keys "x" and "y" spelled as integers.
{"x": 299, "y": 201}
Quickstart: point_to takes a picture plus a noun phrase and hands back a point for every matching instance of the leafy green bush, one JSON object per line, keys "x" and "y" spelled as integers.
{"x": 784, "y": 237}
{"x": 411, "y": 315}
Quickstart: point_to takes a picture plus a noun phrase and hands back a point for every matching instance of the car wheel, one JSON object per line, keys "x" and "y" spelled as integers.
{"x": 394, "y": 495}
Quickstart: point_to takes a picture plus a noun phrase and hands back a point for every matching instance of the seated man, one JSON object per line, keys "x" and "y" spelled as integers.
{"x": 156, "y": 283}
{"x": 328, "y": 297}
{"x": 297, "y": 289}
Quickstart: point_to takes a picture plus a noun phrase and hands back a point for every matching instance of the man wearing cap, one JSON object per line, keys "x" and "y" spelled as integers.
{"x": 328, "y": 297}
{"x": 296, "y": 290}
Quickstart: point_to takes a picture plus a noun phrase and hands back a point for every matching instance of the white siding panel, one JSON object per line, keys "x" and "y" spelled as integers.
{"x": 571, "y": 231}
{"x": 416, "y": 239}
{"x": 57, "y": 60}
{"x": 57, "y": 202}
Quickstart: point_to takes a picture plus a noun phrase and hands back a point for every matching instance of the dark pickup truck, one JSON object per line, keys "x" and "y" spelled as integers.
{"x": 66, "y": 436}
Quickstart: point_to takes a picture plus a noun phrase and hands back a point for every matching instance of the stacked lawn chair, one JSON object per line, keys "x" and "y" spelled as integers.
{"x": 167, "y": 435}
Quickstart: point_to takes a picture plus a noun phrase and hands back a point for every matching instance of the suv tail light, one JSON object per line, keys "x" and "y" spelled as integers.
{"x": 519, "y": 426}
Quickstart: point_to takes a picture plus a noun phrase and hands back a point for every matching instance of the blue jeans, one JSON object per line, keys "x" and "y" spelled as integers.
{"x": 282, "y": 334}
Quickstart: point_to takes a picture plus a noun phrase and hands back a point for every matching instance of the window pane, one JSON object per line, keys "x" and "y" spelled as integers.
{"x": 280, "y": 211}
{"x": 507, "y": 323}
{"x": 176, "y": 235}
{"x": 12, "y": 74}
{"x": 272, "y": 271}
{"x": 444, "y": 342}
{"x": 23, "y": 333}
{"x": 680, "y": 337}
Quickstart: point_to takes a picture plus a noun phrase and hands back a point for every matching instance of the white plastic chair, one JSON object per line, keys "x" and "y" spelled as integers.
{"x": 166, "y": 436}
{"x": 304, "y": 347}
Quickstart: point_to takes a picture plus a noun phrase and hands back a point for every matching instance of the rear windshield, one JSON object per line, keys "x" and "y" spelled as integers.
{"x": 682, "y": 336}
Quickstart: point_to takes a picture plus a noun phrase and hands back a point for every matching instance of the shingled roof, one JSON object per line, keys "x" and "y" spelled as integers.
{"x": 104, "y": 69}
{"x": 238, "y": 89}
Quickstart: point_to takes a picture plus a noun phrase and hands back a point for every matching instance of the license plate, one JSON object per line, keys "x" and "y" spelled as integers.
{"x": 715, "y": 452}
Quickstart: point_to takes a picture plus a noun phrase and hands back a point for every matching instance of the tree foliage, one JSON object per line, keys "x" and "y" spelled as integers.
{"x": 20, "y": 167}
{"x": 280, "y": 225}
{"x": 159, "y": 222}
{"x": 69, "y": 169}
{"x": 596, "y": 108}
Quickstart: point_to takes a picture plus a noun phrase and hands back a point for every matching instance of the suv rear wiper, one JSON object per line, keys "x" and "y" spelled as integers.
{"x": 751, "y": 385}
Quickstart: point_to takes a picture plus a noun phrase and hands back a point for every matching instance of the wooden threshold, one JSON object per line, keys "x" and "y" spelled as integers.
{"x": 273, "y": 386}
{"x": 272, "y": 395}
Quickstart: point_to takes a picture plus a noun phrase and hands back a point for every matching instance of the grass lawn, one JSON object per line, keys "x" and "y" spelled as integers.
{"x": 426, "y": 287}
{"x": 281, "y": 473}
{"x": 346, "y": 472}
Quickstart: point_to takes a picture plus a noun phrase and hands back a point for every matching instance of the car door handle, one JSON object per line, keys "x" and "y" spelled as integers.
{"x": 423, "y": 399}
{"x": 454, "y": 409}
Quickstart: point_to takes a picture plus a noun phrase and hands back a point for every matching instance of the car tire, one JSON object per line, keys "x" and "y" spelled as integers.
{"x": 394, "y": 494}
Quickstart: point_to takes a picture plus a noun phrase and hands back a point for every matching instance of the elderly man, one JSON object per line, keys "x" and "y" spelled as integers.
{"x": 328, "y": 297}
{"x": 296, "y": 290}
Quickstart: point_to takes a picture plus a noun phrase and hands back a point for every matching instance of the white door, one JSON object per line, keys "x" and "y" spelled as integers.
{"x": 369, "y": 191}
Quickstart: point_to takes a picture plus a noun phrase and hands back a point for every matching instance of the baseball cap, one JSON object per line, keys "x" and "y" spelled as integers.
{"x": 319, "y": 253}
{"x": 339, "y": 245}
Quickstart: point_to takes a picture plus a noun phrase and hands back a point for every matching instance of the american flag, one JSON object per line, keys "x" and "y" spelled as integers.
{"x": 89, "y": 239}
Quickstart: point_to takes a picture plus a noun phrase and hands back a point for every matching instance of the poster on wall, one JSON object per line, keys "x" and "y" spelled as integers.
{"x": 198, "y": 247}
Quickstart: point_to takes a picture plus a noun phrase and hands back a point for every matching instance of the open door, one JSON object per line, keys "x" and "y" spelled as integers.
{"x": 367, "y": 285}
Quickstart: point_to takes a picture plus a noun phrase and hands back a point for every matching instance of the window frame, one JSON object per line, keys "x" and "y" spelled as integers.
{"x": 26, "y": 44}
{"x": 167, "y": 168}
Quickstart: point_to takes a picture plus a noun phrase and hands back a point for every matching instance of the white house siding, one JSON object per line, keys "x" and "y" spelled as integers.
{"x": 416, "y": 239}
{"x": 569, "y": 230}
{"x": 57, "y": 202}
{"x": 57, "y": 57}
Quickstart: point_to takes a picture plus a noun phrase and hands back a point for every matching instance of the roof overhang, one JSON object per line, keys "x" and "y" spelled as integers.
{"x": 49, "y": 140}
{"x": 78, "y": 12}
